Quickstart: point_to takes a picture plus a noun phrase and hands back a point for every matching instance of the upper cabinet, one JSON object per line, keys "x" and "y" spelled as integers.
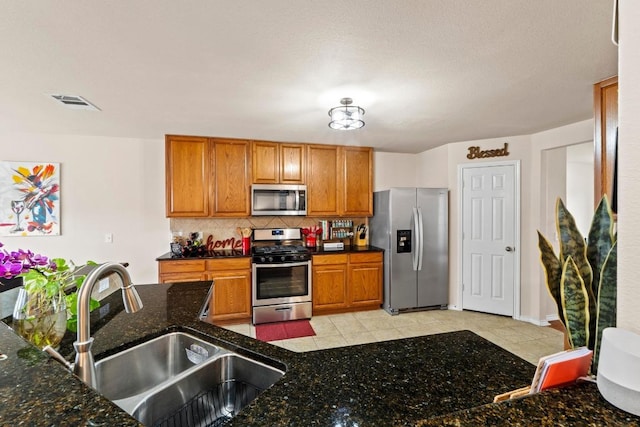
{"x": 605, "y": 96}
{"x": 212, "y": 177}
{"x": 278, "y": 163}
{"x": 339, "y": 181}
{"x": 187, "y": 174}
{"x": 231, "y": 177}
{"x": 207, "y": 177}
{"x": 357, "y": 184}
{"x": 322, "y": 180}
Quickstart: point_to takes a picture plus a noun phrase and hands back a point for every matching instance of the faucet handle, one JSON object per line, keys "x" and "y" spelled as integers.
{"x": 57, "y": 356}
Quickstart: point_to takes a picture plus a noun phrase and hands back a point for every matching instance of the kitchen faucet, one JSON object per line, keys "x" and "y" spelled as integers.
{"x": 84, "y": 366}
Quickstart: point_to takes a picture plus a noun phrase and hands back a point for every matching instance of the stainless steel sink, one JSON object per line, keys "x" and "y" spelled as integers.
{"x": 210, "y": 395}
{"x": 178, "y": 379}
{"x": 126, "y": 375}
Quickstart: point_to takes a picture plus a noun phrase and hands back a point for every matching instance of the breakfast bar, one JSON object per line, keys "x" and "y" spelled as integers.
{"x": 444, "y": 379}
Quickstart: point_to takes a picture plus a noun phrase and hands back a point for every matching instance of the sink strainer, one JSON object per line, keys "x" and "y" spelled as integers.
{"x": 212, "y": 408}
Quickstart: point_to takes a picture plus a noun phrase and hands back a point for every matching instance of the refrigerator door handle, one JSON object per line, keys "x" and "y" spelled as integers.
{"x": 421, "y": 239}
{"x": 416, "y": 233}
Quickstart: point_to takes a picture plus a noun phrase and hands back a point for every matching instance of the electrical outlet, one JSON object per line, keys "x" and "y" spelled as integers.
{"x": 103, "y": 285}
{"x": 108, "y": 238}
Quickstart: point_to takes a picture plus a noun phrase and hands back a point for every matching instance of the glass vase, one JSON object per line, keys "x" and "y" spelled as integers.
{"x": 40, "y": 319}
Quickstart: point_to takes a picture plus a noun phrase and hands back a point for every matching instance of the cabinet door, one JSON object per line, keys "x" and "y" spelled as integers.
{"x": 292, "y": 163}
{"x": 187, "y": 176}
{"x": 357, "y": 181}
{"x": 265, "y": 162}
{"x": 231, "y": 298}
{"x": 322, "y": 180}
{"x": 232, "y": 177}
{"x": 365, "y": 284}
{"x": 329, "y": 287}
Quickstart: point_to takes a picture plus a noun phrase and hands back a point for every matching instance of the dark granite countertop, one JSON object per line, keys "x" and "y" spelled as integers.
{"x": 236, "y": 253}
{"x": 444, "y": 379}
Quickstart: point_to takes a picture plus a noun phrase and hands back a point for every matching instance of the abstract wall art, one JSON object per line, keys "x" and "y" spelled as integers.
{"x": 29, "y": 199}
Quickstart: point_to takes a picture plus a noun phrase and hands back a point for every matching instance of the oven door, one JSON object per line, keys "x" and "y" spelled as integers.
{"x": 281, "y": 283}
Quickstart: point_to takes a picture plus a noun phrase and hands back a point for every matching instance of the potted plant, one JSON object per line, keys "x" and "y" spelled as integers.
{"x": 582, "y": 277}
{"x": 46, "y": 305}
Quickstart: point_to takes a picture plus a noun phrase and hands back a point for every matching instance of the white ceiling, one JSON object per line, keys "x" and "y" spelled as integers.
{"x": 427, "y": 72}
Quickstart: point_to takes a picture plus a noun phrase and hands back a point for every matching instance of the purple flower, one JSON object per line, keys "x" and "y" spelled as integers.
{"x": 16, "y": 262}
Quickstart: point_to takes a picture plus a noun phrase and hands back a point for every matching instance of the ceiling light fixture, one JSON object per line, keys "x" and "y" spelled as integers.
{"x": 346, "y": 117}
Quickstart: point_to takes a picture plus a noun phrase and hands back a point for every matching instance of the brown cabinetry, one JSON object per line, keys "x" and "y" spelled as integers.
{"x": 278, "y": 163}
{"x": 231, "y": 297}
{"x": 322, "y": 180}
{"x": 207, "y": 177}
{"x": 187, "y": 176}
{"x": 231, "y": 178}
{"x": 347, "y": 282}
{"x": 605, "y": 95}
{"x": 329, "y": 290}
{"x": 357, "y": 181}
{"x": 339, "y": 180}
{"x": 365, "y": 279}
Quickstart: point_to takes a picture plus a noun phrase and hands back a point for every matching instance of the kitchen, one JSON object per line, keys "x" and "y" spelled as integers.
{"x": 143, "y": 199}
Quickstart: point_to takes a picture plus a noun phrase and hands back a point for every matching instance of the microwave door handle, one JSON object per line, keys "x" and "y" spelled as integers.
{"x": 297, "y": 193}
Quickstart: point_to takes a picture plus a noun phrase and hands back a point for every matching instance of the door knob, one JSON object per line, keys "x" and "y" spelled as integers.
{"x": 509, "y": 249}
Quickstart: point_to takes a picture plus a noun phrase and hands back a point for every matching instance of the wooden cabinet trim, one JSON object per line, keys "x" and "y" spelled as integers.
{"x": 181, "y": 266}
{"x": 605, "y": 97}
{"x": 365, "y": 257}
{"x": 228, "y": 264}
{"x": 329, "y": 259}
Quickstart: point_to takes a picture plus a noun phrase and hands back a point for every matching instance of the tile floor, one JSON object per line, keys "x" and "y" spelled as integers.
{"x": 521, "y": 338}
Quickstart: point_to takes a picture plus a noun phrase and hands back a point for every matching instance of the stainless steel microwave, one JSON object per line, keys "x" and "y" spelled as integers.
{"x": 278, "y": 199}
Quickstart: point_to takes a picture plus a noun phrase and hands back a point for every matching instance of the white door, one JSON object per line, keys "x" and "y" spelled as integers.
{"x": 489, "y": 251}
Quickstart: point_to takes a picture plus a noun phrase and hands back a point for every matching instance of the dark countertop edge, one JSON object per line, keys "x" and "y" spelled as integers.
{"x": 225, "y": 254}
{"x": 572, "y": 405}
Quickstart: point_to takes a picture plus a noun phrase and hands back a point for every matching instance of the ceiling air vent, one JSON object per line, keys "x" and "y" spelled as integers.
{"x": 75, "y": 102}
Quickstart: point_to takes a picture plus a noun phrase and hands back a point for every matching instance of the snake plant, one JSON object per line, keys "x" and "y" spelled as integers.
{"x": 582, "y": 277}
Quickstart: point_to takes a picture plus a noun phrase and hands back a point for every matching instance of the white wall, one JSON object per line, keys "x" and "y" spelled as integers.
{"x": 629, "y": 172}
{"x": 535, "y": 304}
{"x": 394, "y": 170}
{"x": 579, "y": 198}
{"x": 108, "y": 185}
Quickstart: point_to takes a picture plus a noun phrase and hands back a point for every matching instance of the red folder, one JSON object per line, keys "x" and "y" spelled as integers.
{"x": 561, "y": 368}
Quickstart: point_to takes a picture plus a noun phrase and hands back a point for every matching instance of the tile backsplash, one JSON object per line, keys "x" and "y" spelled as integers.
{"x": 225, "y": 228}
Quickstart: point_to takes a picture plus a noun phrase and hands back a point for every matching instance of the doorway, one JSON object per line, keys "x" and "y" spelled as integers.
{"x": 490, "y": 237}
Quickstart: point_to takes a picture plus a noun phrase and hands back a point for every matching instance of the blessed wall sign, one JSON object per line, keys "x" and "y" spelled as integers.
{"x": 476, "y": 153}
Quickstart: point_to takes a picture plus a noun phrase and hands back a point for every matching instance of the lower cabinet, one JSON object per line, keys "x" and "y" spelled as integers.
{"x": 347, "y": 282}
{"x": 231, "y": 298}
{"x": 329, "y": 282}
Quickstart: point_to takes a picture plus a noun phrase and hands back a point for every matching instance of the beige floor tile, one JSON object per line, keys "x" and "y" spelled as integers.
{"x": 299, "y": 344}
{"x": 325, "y": 328}
{"x": 376, "y": 324}
{"x": 387, "y": 334}
{"x": 330, "y": 342}
{"x": 359, "y": 338}
{"x": 523, "y": 339}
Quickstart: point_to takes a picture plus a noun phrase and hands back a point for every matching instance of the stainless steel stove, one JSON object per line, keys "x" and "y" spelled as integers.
{"x": 281, "y": 282}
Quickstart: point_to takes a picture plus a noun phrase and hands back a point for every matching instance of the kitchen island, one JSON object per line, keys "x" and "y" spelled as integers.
{"x": 444, "y": 379}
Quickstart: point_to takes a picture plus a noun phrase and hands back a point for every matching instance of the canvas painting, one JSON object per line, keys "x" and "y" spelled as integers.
{"x": 29, "y": 199}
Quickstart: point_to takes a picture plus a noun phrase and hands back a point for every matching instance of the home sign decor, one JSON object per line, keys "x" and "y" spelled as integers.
{"x": 476, "y": 153}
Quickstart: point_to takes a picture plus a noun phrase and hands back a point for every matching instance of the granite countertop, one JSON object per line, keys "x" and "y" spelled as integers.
{"x": 235, "y": 253}
{"x": 444, "y": 379}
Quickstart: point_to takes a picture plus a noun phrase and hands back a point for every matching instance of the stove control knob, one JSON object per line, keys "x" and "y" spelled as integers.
{"x": 262, "y": 259}
{"x": 270, "y": 258}
{"x": 283, "y": 258}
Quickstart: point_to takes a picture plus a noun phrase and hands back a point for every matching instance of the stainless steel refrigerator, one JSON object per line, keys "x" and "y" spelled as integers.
{"x": 412, "y": 226}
